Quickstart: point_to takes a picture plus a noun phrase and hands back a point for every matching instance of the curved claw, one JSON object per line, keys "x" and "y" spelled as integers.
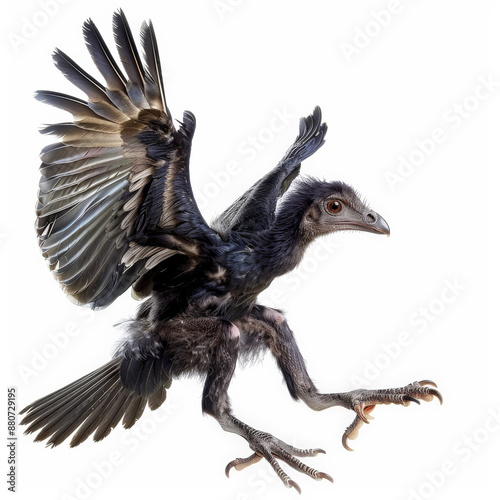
{"x": 361, "y": 414}
{"x": 364, "y": 401}
{"x": 318, "y": 450}
{"x": 293, "y": 484}
{"x": 437, "y": 394}
{"x": 344, "y": 442}
{"x": 411, "y": 399}
{"x": 351, "y": 432}
{"x": 324, "y": 475}
{"x": 428, "y": 382}
{"x": 229, "y": 466}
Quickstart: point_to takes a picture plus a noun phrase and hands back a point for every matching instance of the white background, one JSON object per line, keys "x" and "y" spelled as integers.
{"x": 235, "y": 64}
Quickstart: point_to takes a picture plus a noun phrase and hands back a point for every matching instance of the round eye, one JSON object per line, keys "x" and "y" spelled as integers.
{"x": 334, "y": 206}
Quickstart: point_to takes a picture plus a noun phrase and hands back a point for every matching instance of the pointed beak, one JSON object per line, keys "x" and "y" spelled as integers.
{"x": 374, "y": 223}
{"x": 369, "y": 221}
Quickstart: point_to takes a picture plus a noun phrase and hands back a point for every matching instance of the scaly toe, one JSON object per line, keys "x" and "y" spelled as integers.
{"x": 364, "y": 401}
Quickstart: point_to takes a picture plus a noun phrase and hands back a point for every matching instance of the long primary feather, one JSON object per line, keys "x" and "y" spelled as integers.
{"x": 105, "y": 62}
{"x": 78, "y": 77}
{"x": 129, "y": 55}
{"x": 155, "y": 92}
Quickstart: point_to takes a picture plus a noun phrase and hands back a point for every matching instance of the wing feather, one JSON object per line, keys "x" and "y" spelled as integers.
{"x": 119, "y": 171}
{"x": 105, "y": 62}
{"x": 254, "y": 210}
{"x": 154, "y": 90}
{"x": 78, "y": 77}
{"x": 129, "y": 55}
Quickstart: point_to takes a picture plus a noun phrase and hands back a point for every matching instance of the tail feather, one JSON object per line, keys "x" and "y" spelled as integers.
{"x": 55, "y": 400}
{"x": 63, "y": 424}
{"x": 157, "y": 399}
{"x": 65, "y": 409}
{"x": 134, "y": 412}
{"x": 114, "y": 413}
{"x": 93, "y": 404}
{"x": 91, "y": 424}
{"x": 102, "y": 419}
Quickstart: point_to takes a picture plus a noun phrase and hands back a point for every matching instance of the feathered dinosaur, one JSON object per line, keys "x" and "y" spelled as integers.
{"x": 116, "y": 210}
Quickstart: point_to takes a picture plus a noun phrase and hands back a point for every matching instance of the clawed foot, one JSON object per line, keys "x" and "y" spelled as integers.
{"x": 267, "y": 446}
{"x": 363, "y": 402}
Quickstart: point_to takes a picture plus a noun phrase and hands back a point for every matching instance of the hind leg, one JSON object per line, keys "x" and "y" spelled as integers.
{"x": 281, "y": 342}
{"x": 215, "y": 402}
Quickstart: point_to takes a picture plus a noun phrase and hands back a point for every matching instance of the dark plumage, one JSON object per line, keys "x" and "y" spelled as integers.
{"x": 116, "y": 210}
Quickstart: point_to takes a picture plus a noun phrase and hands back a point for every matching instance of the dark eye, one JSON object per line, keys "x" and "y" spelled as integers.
{"x": 334, "y": 206}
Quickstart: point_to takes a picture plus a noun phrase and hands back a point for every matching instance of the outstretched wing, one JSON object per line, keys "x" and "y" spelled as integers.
{"x": 119, "y": 174}
{"x": 254, "y": 210}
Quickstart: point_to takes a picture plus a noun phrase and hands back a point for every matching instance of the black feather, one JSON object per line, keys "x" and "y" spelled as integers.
{"x": 92, "y": 404}
{"x": 78, "y": 77}
{"x": 154, "y": 89}
{"x": 129, "y": 55}
{"x": 254, "y": 210}
{"x": 102, "y": 57}
{"x": 116, "y": 208}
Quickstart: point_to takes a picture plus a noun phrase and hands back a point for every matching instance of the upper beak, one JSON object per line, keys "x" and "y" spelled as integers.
{"x": 374, "y": 223}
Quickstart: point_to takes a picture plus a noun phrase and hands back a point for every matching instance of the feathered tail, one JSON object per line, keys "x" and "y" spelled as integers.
{"x": 96, "y": 403}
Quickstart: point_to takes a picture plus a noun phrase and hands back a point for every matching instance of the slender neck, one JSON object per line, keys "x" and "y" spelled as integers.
{"x": 284, "y": 243}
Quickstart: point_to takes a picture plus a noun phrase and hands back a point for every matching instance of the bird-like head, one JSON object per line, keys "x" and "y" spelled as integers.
{"x": 326, "y": 207}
